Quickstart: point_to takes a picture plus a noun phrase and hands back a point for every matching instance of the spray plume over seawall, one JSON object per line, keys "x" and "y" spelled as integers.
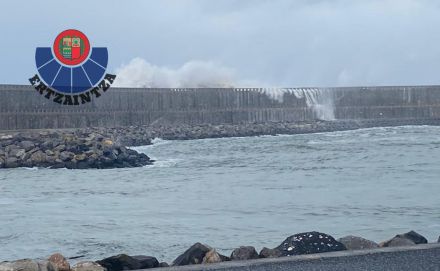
{"x": 320, "y": 100}
{"x": 206, "y": 74}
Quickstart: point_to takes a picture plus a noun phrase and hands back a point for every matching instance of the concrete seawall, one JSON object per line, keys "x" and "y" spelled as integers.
{"x": 21, "y": 107}
{"x": 414, "y": 258}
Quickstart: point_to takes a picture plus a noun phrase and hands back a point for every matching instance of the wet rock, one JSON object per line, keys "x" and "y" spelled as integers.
{"x": 244, "y": 253}
{"x": 438, "y": 240}
{"x": 88, "y": 266}
{"x": 59, "y": 261}
{"x": 309, "y": 243}
{"x": 397, "y": 242}
{"x": 356, "y": 243}
{"x": 270, "y": 253}
{"x": 193, "y": 255}
{"x": 119, "y": 262}
{"x": 146, "y": 262}
{"x": 414, "y": 236}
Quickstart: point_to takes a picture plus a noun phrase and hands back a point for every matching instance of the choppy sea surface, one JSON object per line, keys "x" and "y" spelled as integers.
{"x": 228, "y": 192}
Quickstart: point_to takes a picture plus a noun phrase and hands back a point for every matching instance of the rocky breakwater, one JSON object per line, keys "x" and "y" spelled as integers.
{"x": 79, "y": 149}
{"x": 298, "y": 244}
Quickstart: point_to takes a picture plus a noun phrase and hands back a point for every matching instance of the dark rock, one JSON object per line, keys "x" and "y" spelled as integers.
{"x": 193, "y": 255}
{"x": 146, "y": 262}
{"x": 47, "y": 144}
{"x": 356, "y": 243}
{"x": 309, "y": 243}
{"x": 125, "y": 262}
{"x": 438, "y": 240}
{"x": 405, "y": 239}
{"x": 119, "y": 262}
{"x": 164, "y": 264}
{"x": 244, "y": 253}
{"x": 414, "y": 236}
{"x": 397, "y": 242}
{"x": 59, "y": 261}
{"x": 11, "y": 162}
{"x": 66, "y": 156}
{"x": 270, "y": 253}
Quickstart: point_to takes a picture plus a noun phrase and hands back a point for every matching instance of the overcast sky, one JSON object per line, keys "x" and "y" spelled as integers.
{"x": 271, "y": 43}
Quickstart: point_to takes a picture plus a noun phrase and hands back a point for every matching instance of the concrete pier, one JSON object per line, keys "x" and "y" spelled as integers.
{"x": 22, "y": 107}
{"x": 414, "y": 258}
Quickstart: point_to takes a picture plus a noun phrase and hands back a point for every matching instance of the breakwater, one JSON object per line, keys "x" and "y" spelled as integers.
{"x": 295, "y": 247}
{"x": 22, "y": 108}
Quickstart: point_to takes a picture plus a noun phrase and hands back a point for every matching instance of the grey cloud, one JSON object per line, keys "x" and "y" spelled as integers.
{"x": 278, "y": 43}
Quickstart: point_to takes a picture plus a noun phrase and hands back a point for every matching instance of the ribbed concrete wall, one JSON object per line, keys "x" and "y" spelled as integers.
{"x": 414, "y": 258}
{"x": 21, "y": 107}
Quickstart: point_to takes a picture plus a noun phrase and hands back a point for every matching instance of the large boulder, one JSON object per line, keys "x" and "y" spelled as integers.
{"x": 309, "y": 243}
{"x": 119, "y": 262}
{"x": 27, "y": 265}
{"x": 405, "y": 239}
{"x": 59, "y": 261}
{"x": 38, "y": 157}
{"x": 414, "y": 236}
{"x": 397, "y": 242}
{"x": 88, "y": 266}
{"x": 212, "y": 256}
{"x": 125, "y": 262}
{"x": 244, "y": 253}
{"x": 356, "y": 243}
{"x": 193, "y": 255}
{"x": 270, "y": 253}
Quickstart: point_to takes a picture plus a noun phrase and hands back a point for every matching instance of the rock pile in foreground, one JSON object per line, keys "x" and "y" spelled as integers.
{"x": 79, "y": 149}
{"x": 298, "y": 244}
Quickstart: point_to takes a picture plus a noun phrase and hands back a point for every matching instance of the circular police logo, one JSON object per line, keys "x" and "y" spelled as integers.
{"x": 71, "y": 47}
{"x": 71, "y": 71}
